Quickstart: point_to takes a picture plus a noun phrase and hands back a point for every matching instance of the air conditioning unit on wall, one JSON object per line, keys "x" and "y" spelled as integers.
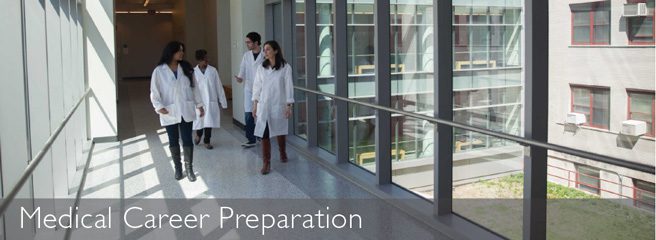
{"x": 634, "y": 127}
{"x": 575, "y": 118}
{"x": 635, "y": 10}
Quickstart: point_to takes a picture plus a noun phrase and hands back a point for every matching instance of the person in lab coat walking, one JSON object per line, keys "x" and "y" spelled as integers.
{"x": 175, "y": 98}
{"x": 273, "y": 96}
{"x": 251, "y": 60}
{"x": 211, "y": 92}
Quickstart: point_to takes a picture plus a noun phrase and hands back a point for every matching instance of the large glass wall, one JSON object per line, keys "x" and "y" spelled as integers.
{"x": 325, "y": 73}
{"x": 489, "y": 92}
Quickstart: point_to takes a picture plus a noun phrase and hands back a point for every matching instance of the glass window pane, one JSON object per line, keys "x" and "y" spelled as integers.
{"x": 300, "y": 107}
{"x": 488, "y": 90}
{"x": 361, "y": 83}
{"x": 601, "y": 108}
{"x": 412, "y": 155}
{"x": 325, "y": 75}
{"x": 641, "y": 107}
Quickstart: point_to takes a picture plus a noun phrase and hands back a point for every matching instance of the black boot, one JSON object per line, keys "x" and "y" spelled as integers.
{"x": 175, "y": 154}
{"x": 189, "y": 160}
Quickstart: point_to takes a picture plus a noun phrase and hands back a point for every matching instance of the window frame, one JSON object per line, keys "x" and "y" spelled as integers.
{"x": 653, "y": 25}
{"x": 638, "y": 202}
{"x": 592, "y": 89}
{"x": 594, "y": 6}
{"x": 630, "y": 91}
{"x": 586, "y": 187}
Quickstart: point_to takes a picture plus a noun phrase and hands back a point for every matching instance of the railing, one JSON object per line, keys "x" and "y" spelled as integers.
{"x": 621, "y": 186}
{"x": 521, "y": 140}
{"x": 31, "y": 166}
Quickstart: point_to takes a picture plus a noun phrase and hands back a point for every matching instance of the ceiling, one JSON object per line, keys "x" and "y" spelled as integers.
{"x": 132, "y": 5}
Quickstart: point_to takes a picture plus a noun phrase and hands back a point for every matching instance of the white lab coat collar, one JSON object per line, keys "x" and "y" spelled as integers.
{"x": 169, "y": 72}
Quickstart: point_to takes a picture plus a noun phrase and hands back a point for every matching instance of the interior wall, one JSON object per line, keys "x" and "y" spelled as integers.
{"x": 145, "y": 35}
{"x": 223, "y": 33}
{"x": 98, "y": 24}
{"x": 195, "y": 29}
{"x": 179, "y": 15}
{"x": 245, "y": 17}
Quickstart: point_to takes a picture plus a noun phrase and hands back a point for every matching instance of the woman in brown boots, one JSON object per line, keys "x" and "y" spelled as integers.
{"x": 273, "y": 96}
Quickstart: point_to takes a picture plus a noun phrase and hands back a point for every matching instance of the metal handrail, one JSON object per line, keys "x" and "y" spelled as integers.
{"x": 31, "y": 166}
{"x": 524, "y": 141}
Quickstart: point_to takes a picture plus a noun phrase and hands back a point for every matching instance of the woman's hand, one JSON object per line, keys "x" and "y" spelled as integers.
{"x": 288, "y": 111}
{"x": 254, "y": 112}
{"x": 163, "y": 111}
{"x": 202, "y": 111}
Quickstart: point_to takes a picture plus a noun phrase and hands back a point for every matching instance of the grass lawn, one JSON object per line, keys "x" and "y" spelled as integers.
{"x": 571, "y": 214}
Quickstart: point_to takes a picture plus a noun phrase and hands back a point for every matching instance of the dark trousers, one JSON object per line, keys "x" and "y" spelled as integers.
{"x": 265, "y": 135}
{"x": 250, "y": 126}
{"x": 208, "y": 134}
{"x": 175, "y": 131}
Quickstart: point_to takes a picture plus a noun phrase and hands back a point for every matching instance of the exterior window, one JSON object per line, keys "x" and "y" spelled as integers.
{"x": 591, "y": 23}
{"x": 643, "y": 194}
{"x": 594, "y": 103}
{"x": 641, "y": 107}
{"x": 641, "y": 29}
{"x": 587, "y": 179}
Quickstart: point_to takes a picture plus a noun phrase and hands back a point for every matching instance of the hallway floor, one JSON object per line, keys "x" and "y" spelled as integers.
{"x": 139, "y": 167}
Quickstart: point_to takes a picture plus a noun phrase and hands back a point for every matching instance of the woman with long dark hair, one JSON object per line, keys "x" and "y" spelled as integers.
{"x": 273, "y": 96}
{"x": 175, "y": 99}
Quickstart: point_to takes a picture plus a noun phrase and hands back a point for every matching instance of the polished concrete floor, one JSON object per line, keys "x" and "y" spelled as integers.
{"x": 139, "y": 166}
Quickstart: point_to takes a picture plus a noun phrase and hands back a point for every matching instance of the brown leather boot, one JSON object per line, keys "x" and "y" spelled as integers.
{"x": 266, "y": 156}
{"x": 281, "y": 148}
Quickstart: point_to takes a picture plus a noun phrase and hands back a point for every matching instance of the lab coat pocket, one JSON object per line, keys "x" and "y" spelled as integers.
{"x": 170, "y": 118}
{"x": 189, "y": 110}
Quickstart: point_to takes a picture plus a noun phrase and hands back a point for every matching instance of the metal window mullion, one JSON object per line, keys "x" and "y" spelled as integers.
{"x": 383, "y": 91}
{"x": 311, "y": 71}
{"x": 289, "y": 31}
{"x": 536, "y": 114}
{"x": 443, "y": 104}
{"x": 341, "y": 81}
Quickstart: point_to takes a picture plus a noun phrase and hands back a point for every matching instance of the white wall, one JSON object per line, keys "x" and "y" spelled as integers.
{"x": 617, "y": 66}
{"x": 44, "y": 79}
{"x": 101, "y": 66}
{"x": 145, "y": 35}
{"x": 14, "y": 148}
{"x": 245, "y": 16}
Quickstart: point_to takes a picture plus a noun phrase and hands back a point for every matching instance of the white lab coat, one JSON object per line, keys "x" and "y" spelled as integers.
{"x": 273, "y": 89}
{"x": 174, "y": 94}
{"x": 211, "y": 92}
{"x": 247, "y": 72}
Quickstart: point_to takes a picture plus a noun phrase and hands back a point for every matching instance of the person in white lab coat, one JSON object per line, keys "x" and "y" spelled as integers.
{"x": 251, "y": 60}
{"x": 273, "y": 96}
{"x": 211, "y": 92}
{"x": 175, "y": 98}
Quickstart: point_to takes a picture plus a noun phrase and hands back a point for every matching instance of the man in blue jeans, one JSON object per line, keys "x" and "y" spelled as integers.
{"x": 249, "y": 63}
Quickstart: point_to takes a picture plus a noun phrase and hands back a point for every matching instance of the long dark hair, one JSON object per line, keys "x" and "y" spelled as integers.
{"x": 167, "y": 55}
{"x": 280, "y": 61}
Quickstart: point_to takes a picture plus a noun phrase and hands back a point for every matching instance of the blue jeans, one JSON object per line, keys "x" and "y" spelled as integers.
{"x": 184, "y": 130}
{"x": 250, "y": 126}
